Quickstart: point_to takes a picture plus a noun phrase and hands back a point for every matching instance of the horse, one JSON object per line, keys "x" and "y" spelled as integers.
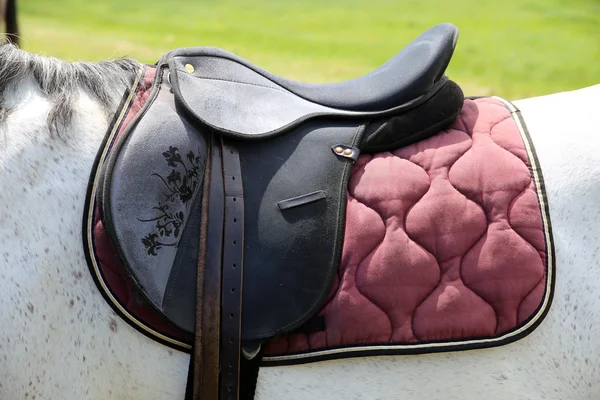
{"x": 9, "y": 13}
{"x": 60, "y": 339}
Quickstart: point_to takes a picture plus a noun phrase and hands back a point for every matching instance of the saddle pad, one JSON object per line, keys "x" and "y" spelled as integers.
{"x": 447, "y": 245}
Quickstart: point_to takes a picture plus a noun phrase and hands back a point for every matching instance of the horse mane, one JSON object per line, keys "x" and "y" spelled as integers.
{"x": 62, "y": 81}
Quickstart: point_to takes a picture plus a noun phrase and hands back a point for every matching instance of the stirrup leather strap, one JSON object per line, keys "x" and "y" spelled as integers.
{"x": 220, "y": 275}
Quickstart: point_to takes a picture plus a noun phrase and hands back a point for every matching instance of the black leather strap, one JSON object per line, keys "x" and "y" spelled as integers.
{"x": 232, "y": 270}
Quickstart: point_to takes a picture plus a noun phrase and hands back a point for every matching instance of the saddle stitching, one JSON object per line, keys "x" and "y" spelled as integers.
{"x": 234, "y": 81}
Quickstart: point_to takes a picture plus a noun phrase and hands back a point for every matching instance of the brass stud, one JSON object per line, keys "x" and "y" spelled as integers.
{"x": 347, "y": 152}
{"x": 339, "y": 150}
{"x": 189, "y": 68}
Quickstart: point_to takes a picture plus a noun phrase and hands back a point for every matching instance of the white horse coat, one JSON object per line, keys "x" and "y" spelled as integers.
{"x": 59, "y": 339}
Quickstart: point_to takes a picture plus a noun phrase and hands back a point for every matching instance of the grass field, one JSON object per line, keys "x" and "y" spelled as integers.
{"x": 513, "y": 48}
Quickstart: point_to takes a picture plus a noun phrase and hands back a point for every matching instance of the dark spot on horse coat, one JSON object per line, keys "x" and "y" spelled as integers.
{"x": 112, "y": 325}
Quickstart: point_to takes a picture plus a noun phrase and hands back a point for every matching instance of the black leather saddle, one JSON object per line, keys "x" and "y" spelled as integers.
{"x": 225, "y": 199}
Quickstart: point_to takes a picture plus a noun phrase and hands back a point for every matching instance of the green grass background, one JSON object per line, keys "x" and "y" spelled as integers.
{"x": 511, "y": 48}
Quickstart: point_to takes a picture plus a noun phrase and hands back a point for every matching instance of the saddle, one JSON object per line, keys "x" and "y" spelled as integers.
{"x": 225, "y": 197}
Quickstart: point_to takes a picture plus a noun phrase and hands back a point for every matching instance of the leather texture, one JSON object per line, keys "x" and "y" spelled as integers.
{"x": 208, "y": 335}
{"x": 237, "y": 98}
{"x": 153, "y": 178}
{"x": 232, "y": 271}
{"x": 123, "y": 206}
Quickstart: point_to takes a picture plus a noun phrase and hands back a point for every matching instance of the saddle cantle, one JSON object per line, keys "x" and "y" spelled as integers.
{"x": 225, "y": 198}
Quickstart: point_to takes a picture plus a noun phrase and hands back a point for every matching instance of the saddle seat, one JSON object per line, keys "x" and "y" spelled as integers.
{"x": 225, "y": 198}
{"x": 246, "y": 100}
{"x": 405, "y": 77}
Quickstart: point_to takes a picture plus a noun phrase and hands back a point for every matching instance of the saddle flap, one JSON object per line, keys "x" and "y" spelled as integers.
{"x": 151, "y": 196}
{"x": 239, "y": 99}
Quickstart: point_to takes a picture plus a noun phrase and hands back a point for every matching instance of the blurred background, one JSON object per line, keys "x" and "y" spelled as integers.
{"x": 510, "y": 48}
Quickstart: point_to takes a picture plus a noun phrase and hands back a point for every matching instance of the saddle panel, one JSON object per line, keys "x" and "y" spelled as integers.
{"x": 237, "y": 98}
